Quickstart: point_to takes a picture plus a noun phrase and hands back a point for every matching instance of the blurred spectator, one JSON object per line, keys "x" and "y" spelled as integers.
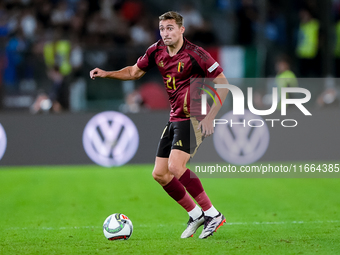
{"x": 57, "y": 52}
{"x": 308, "y": 45}
{"x": 106, "y": 8}
{"x": 192, "y": 17}
{"x": 285, "y": 77}
{"x": 149, "y": 96}
{"x": 77, "y": 91}
{"x": 3, "y": 63}
{"x": 132, "y": 11}
{"x": 4, "y": 28}
{"x": 15, "y": 49}
{"x": 141, "y": 34}
{"x": 79, "y": 20}
{"x": 72, "y": 4}
{"x": 205, "y": 36}
{"x": 275, "y": 26}
{"x": 275, "y": 33}
{"x": 56, "y": 99}
{"x": 76, "y": 55}
{"x": 28, "y": 23}
{"x": 133, "y": 103}
{"x": 43, "y": 14}
{"x": 61, "y": 15}
{"x": 154, "y": 96}
{"x": 106, "y": 32}
{"x": 330, "y": 96}
{"x": 13, "y": 19}
{"x": 193, "y": 20}
{"x": 247, "y": 18}
{"x": 95, "y": 24}
{"x": 77, "y": 25}
{"x": 82, "y": 7}
{"x": 283, "y": 70}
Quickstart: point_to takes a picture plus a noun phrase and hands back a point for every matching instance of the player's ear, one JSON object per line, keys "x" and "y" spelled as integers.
{"x": 182, "y": 29}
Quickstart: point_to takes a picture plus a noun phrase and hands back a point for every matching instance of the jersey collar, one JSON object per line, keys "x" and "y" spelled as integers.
{"x": 182, "y": 48}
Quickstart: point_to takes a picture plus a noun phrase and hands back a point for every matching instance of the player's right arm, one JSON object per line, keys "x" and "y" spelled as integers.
{"x": 127, "y": 73}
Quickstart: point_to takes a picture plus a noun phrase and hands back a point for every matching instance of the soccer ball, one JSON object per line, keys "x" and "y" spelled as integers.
{"x": 117, "y": 227}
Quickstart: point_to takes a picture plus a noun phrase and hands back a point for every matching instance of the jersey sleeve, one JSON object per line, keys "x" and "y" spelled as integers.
{"x": 147, "y": 61}
{"x": 210, "y": 66}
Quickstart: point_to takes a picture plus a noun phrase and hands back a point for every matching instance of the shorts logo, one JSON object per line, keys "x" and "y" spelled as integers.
{"x": 110, "y": 139}
{"x": 3, "y": 141}
{"x": 180, "y": 67}
{"x": 179, "y": 143}
{"x": 239, "y": 143}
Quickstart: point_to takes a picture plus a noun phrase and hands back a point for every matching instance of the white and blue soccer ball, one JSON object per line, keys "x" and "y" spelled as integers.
{"x": 117, "y": 227}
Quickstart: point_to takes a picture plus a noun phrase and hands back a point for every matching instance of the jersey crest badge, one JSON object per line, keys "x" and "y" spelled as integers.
{"x": 161, "y": 64}
{"x": 180, "y": 66}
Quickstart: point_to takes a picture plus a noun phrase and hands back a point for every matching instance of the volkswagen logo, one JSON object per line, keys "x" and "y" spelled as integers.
{"x": 110, "y": 139}
{"x": 243, "y": 140}
{"x": 3, "y": 141}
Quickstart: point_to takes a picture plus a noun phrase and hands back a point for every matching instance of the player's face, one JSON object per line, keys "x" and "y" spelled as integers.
{"x": 170, "y": 32}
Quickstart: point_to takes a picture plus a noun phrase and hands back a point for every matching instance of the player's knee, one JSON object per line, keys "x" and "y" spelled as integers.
{"x": 162, "y": 179}
{"x": 158, "y": 177}
{"x": 176, "y": 169}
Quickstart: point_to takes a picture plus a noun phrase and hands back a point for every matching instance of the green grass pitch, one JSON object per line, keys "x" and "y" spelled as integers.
{"x": 60, "y": 210}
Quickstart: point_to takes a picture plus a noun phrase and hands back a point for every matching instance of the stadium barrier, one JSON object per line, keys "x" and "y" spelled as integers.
{"x": 57, "y": 139}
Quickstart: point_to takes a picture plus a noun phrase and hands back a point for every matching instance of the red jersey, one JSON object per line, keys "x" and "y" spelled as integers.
{"x": 191, "y": 63}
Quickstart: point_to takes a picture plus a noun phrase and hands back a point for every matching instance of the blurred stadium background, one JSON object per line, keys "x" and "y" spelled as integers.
{"x": 47, "y": 49}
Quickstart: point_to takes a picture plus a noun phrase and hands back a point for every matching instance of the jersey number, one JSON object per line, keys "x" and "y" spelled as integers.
{"x": 168, "y": 82}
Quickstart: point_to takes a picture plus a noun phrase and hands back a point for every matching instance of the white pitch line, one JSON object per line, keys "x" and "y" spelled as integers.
{"x": 162, "y": 225}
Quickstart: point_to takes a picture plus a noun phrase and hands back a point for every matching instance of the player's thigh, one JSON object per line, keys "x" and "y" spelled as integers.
{"x": 187, "y": 137}
{"x": 165, "y": 142}
{"x": 182, "y": 145}
{"x": 161, "y": 172}
{"x": 161, "y": 166}
{"x": 177, "y": 162}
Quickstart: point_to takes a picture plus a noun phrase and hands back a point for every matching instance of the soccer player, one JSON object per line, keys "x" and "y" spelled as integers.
{"x": 178, "y": 61}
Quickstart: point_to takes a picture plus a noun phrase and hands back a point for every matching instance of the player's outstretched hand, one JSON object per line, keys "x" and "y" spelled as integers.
{"x": 97, "y": 73}
{"x": 206, "y": 127}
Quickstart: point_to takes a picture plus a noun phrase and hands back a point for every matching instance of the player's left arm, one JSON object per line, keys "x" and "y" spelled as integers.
{"x": 206, "y": 124}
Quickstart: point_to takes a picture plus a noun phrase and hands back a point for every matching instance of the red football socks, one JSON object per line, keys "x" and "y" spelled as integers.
{"x": 194, "y": 186}
{"x": 176, "y": 190}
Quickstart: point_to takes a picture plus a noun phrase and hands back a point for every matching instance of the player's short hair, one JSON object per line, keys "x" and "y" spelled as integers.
{"x": 172, "y": 15}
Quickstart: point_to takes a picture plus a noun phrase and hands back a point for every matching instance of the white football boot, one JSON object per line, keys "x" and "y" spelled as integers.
{"x": 211, "y": 224}
{"x": 193, "y": 225}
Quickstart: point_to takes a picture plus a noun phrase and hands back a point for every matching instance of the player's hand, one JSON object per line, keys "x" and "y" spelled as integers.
{"x": 207, "y": 127}
{"x": 97, "y": 73}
